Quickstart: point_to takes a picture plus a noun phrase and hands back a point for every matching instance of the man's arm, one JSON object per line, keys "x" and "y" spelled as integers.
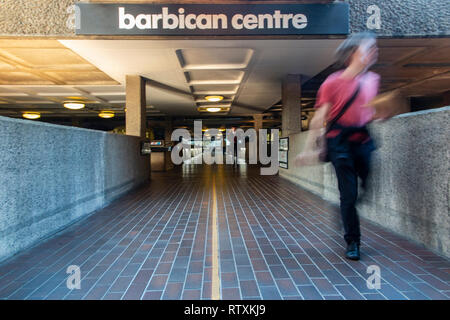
{"x": 317, "y": 123}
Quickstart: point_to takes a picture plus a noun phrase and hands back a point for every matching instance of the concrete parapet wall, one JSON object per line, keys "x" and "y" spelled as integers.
{"x": 408, "y": 190}
{"x": 51, "y": 176}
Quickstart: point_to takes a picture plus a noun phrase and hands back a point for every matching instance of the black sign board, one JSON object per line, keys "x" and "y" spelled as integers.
{"x": 283, "y": 153}
{"x": 212, "y": 19}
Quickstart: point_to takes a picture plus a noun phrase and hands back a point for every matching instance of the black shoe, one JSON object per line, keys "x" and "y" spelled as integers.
{"x": 352, "y": 252}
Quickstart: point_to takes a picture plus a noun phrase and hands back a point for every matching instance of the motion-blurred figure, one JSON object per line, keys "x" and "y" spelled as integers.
{"x": 349, "y": 145}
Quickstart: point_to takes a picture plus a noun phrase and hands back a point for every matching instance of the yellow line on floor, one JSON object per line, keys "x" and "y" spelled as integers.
{"x": 215, "y": 286}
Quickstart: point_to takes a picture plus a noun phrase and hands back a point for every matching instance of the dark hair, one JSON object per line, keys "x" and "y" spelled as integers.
{"x": 350, "y": 45}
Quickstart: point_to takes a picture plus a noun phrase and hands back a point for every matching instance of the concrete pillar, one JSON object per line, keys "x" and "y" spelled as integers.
{"x": 135, "y": 117}
{"x": 291, "y": 121}
{"x": 258, "y": 121}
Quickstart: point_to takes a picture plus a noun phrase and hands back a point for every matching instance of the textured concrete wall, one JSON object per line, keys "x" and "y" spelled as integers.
{"x": 403, "y": 18}
{"x": 52, "y": 175}
{"x": 398, "y": 18}
{"x": 409, "y": 186}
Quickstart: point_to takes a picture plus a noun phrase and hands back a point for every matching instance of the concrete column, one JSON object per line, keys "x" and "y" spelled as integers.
{"x": 291, "y": 90}
{"x": 135, "y": 117}
{"x": 258, "y": 121}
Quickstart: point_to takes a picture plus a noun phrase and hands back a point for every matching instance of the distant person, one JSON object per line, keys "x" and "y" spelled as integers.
{"x": 235, "y": 146}
{"x": 349, "y": 145}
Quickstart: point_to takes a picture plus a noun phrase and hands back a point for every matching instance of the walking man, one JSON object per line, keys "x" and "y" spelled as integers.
{"x": 348, "y": 141}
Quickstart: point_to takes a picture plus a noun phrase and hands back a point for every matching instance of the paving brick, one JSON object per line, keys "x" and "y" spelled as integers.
{"x": 121, "y": 284}
{"x": 191, "y": 295}
{"x": 231, "y": 294}
{"x": 309, "y": 292}
{"x": 152, "y": 295}
{"x": 173, "y": 291}
{"x": 157, "y": 283}
{"x": 286, "y": 287}
{"x": 349, "y": 293}
{"x": 155, "y": 243}
{"x": 229, "y": 280}
{"x": 435, "y": 282}
{"x": 429, "y": 291}
{"x": 324, "y": 286}
{"x": 264, "y": 278}
{"x": 249, "y": 288}
{"x": 270, "y": 293}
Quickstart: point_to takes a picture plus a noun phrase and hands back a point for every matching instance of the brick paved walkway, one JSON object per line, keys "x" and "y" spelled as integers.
{"x": 275, "y": 241}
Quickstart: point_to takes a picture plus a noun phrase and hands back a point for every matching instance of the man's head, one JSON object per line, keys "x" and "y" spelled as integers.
{"x": 360, "y": 48}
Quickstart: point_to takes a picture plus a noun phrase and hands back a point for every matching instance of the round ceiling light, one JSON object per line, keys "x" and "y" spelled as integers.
{"x": 73, "y": 105}
{"x": 213, "y": 109}
{"x": 31, "y": 115}
{"x": 214, "y": 98}
{"x": 106, "y": 114}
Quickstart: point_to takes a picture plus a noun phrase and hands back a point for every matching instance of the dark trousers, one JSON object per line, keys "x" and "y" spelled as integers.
{"x": 350, "y": 160}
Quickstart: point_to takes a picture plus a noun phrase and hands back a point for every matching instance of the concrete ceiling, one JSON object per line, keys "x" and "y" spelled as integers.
{"x": 38, "y": 75}
{"x": 247, "y": 73}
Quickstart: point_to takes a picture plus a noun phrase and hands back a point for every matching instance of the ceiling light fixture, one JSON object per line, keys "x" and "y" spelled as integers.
{"x": 214, "y": 98}
{"x": 106, "y": 114}
{"x": 31, "y": 115}
{"x": 73, "y": 105}
{"x": 213, "y": 109}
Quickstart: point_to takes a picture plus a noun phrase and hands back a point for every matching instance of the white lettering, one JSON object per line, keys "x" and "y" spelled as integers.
{"x": 74, "y": 280}
{"x": 167, "y": 18}
{"x": 286, "y": 18}
{"x": 267, "y": 18}
{"x": 189, "y": 23}
{"x": 193, "y": 21}
{"x": 123, "y": 17}
{"x": 155, "y": 19}
{"x": 223, "y": 21}
{"x": 374, "y": 21}
{"x": 299, "y": 21}
{"x": 181, "y": 12}
{"x": 200, "y": 21}
{"x": 277, "y": 16}
{"x": 374, "y": 280}
{"x": 234, "y": 21}
{"x": 146, "y": 18}
{"x": 250, "y": 21}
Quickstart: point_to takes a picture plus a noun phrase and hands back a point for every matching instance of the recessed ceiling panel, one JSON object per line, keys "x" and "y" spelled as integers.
{"x": 214, "y": 58}
{"x": 102, "y": 90}
{"x": 215, "y": 76}
{"x": 21, "y": 77}
{"x": 47, "y": 90}
{"x": 215, "y": 89}
{"x": 45, "y": 57}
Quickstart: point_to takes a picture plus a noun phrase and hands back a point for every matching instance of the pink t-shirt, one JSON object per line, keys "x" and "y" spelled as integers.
{"x": 338, "y": 91}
